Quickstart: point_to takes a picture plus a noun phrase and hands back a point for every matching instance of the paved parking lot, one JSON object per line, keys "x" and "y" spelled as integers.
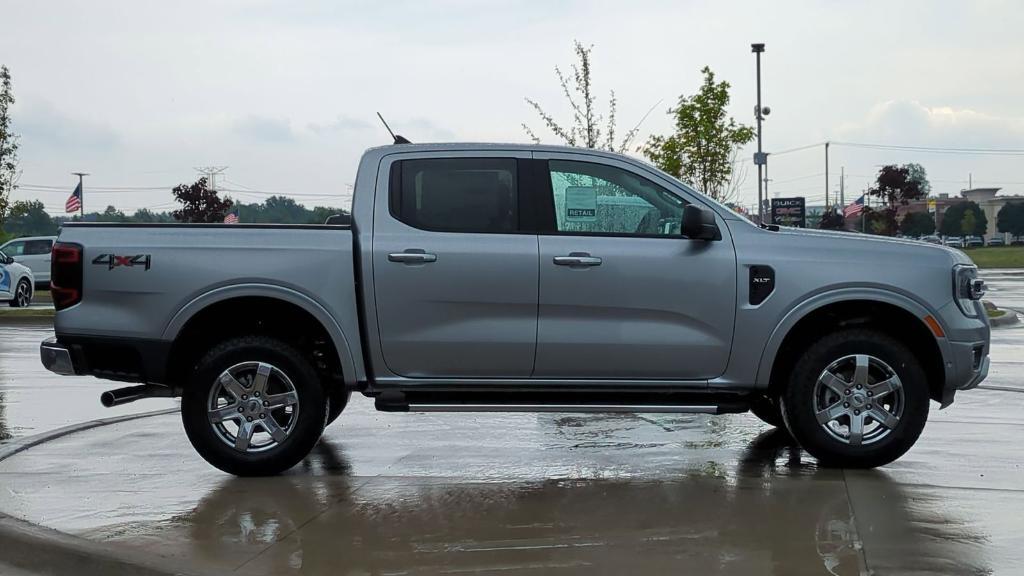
{"x": 496, "y": 493}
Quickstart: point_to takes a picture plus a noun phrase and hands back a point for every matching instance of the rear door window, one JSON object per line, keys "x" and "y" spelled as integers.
{"x": 471, "y": 195}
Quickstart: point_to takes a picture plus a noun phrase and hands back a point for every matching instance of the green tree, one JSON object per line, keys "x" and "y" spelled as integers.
{"x": 584, "y": 129}
{"x": 953, "y": 220}
{"x": 917, "y": 173}
{"x": 832, "y": 219}
{"x": 8, "y": 144}
{"x": 894, "y": 186}
{"x": 199, "y": 203}
{"x": 29, "y": 218}
{"x": 112, "y": 214}
{"x": 917, "y": 224}
{"x": 701, "y": 150}
{"x": 1010, "y": 219}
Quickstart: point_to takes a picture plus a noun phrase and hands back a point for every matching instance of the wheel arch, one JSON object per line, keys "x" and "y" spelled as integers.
{"x": 892, "y": 313}
{"x": 193, "y": 323}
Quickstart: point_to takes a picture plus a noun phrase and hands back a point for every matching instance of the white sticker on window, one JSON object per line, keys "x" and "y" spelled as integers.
{"x": 581, "y": 204}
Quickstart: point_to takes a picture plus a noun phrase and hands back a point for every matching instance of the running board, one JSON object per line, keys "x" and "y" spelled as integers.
{"x": 581, "y": 401}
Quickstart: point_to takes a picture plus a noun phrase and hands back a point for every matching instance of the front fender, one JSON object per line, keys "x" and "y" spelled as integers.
{"x": 817, "y": 301}
{"x": 201, "y": 302}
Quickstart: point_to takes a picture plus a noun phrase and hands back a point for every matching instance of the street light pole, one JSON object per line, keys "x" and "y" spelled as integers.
{"x": 759, "y": 158}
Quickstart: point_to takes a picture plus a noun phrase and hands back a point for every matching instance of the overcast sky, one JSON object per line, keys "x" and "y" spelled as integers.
{"x": 140, "y": 93}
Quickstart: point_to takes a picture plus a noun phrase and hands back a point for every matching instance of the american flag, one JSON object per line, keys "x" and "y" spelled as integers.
{"x": 855, "y": 207}
{"x": 74, "y": 203}
{"x": 231, "y": 218}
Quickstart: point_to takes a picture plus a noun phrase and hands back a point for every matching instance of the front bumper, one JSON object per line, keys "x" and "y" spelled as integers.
{"x": 966, "y": 367}
{"x": 56, "y": 357}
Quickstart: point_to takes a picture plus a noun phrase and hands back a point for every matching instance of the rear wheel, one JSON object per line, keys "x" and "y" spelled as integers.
{"x": 255, "y": 406}
{"x": 768, "y": 410}
{"x": 339, "y": 399}
{"x": 22, "y": 294}
{"x": 857, "y": 398}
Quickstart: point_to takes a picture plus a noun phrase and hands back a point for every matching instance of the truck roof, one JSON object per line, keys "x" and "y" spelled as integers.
{"x": 495, "y": 146}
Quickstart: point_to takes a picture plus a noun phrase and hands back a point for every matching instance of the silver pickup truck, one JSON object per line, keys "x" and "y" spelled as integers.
{"x": 482, "y": 277}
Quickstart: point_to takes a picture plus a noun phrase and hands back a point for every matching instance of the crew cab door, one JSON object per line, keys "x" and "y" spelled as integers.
{"x": 623, "y": 295}
{"x": 455, "y": 281}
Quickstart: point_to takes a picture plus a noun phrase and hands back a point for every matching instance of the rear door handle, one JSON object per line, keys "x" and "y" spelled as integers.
{"x": 412, "y": 256}
{"x": 577, "y": 259}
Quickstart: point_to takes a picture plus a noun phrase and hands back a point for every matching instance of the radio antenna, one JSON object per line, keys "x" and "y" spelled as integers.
{"x": 397, "y": 138}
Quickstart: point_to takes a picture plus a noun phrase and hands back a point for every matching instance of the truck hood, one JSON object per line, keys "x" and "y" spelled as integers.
{"x": 881, "y": 244}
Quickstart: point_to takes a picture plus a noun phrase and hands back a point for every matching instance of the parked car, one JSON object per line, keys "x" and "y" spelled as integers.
{"x": 974, "y": 242}
{"x": 996, "y": 241}
{"x": 16, "y": 282}
{"x": 33, "y": 252}
{"x": 954, "y": 241}
{"x": 479, "y": 278}
{"x": 931, "y": 239}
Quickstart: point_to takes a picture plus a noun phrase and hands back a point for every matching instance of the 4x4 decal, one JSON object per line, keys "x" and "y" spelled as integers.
{"x": 113, "y": 260}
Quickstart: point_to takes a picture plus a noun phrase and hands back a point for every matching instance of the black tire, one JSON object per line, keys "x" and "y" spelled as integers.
{"x": 768, "y": 410}
{"x": 17, "y": 297}
{"x": 798, "y": 407}
{"x": 310, "y": 419}
{"x": 339, "y": 399}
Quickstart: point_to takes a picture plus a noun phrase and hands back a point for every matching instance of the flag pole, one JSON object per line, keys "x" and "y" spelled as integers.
{"x": 81, "y": 201}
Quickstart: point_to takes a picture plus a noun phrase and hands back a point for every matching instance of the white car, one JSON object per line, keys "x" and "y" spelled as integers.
{"x": 33, "y": 252}
{"x": 16, "y": 282}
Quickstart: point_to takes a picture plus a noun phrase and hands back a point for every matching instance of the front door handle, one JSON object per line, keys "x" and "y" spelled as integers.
{"x": 412, "y": 256}
{"x": 577, "y": 259}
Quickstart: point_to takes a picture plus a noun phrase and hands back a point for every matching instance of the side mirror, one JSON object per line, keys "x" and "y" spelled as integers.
{"x": 699, "y": 224}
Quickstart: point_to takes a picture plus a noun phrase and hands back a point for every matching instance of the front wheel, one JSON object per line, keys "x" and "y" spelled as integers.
{"x": 254, "y": 407}
{"x": 857, "y": 398}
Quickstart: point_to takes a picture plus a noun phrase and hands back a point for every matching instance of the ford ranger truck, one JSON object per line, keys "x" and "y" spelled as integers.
{"x": 478, "y": 277}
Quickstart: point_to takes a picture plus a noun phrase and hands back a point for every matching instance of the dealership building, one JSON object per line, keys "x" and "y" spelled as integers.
{"x": 988, "y": 199}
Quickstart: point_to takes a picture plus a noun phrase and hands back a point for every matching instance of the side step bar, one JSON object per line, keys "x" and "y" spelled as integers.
{"x": 645, "y": 408}
{"x": 630, "y": 401}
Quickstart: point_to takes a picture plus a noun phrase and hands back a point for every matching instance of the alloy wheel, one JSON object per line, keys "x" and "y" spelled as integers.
{"x": 858, "y": 399}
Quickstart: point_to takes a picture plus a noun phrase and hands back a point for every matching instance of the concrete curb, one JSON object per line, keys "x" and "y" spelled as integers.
{"x": 13, "y": 447}
{"x": 1006, "y": 319}
{"x": 39, "y": 550}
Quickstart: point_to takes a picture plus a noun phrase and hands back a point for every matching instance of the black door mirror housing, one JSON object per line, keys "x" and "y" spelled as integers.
{"x": 699, "y": 224}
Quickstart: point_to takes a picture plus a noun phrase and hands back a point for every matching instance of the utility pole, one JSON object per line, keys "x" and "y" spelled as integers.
{"x": 842, "y": 186}
{"x": 970, "y": 181}
{"x": 826, "y": 173}
{"x": 81, "y": 200}
{"x": 211, "y": 173}
{"x": 760, "y": 158}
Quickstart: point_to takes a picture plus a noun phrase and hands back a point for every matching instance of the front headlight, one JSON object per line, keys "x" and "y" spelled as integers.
{"x": 967, "y": 288}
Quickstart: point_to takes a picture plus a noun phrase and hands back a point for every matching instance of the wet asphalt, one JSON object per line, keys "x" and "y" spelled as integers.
{"x": 528, "y": 493}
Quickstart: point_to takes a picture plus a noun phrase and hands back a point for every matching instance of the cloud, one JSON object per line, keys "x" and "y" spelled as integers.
{"x": 910, "y": 122}
{"x": 264, "y": 129}
{"x": 41, "y": 125}
{"x": 339, "y": 124}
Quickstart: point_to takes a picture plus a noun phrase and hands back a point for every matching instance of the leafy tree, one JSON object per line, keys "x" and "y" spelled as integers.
{"x": 953, "y": 220}
{"x": 917, "y": 173}
{"x": 895, "y": 186}
{"x": 585, "y": 127}
{"x": 832, "y": 219}
{"x": 1011, "y": 219}
{"x": 706, "y": 139}
{"x": 917, "y": 224}
{"x": 145, "y": 215}
{"x": 199, "y": 203}
{"x": 29, "y": 218}
{"x": 112, "y": 214}
{"x": 8, "y": 144}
